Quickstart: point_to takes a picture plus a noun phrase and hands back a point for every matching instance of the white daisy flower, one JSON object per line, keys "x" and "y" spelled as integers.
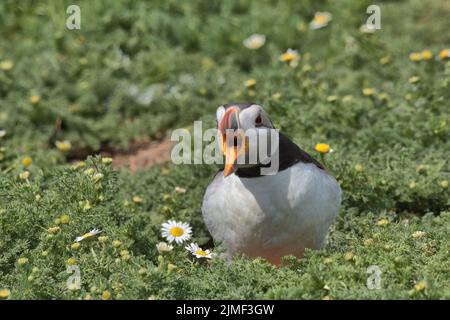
{"x": 88, "y": 235}
{"x": 321, "y": 19}
{"x": 291, "y": 57}
{"x": 176, "y": 231}
{"x": 199, "y": 252}
{"x": 163, "y": 247}
{"x": 255, "y": 41}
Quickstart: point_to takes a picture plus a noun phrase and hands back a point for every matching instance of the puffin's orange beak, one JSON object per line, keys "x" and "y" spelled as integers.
{"x": 233, "y": 139}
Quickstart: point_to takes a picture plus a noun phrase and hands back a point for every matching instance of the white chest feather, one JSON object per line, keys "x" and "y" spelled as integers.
{"x": 272, "y": 216}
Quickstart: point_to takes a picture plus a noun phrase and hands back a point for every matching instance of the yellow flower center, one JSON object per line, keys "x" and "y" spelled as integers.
{"x": 4, "y": 293}
{"x": 176, "y": 231}
{"x": 427, "y": 55}
{"x": 250, "y": 83}
{"x": 415, "y": 56}
{"x": 26, "y": 161}
{"x": 288, "y": 56}
{"x": 444, "y": 54}
{"x": 320, "y": 19}
{"x": 255, "y": 44}
{"x": 322, "y": 148}
{"x": 201, "y": 253}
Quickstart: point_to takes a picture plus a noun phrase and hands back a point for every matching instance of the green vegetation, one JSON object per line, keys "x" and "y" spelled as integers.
{"x": 137, "y": 70}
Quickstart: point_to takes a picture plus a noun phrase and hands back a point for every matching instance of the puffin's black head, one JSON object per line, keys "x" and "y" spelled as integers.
{"x": 234, "y": 120}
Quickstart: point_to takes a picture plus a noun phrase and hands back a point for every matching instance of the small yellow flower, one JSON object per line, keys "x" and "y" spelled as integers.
{"x": 320, "y": 20}
{"x": 383, "y": 96}
{"x": 255, "y": 41}
{"x": 444, "y": 54}
{"x": 323, "y": 148}
{"x": 385, "y": 60}
{"x": 125, "y": 255}
{"x": 332, "y": 98}
{"x": 171, "y": 267}
{"x": 426, "y": 55}
{"x": 412, "y": 185}
{"x": 179, "y": 190}
{"x": 75, "y": 246}
{"x": 22, "y": 261}
{"x": 85, "y": 205}
{"x": 414, "y": 79}
{"x": 137, "y": 199}
{"x": 368, "y": 92}
{"x": 349, "y": 256}
{"x": 63, "y": 146}
{"x": 54, "y": 230}
{"x": 415, "y": 56}
{"x": 71, "y": 261}
{"x": 107, "y": 160}
{"x": 328, "y": 260}
{"x": 142, "y": 271}
{"x": 289, "y": 55}
{"x": 27, "y": 161}
{"x": 78, "y": 164}
{"x": 106, "y": 295}
{"x": 83, "y": 61}
{"x": 359, "y": 167}
{"x": 97, "y": 177}
{"x": 276, "y": 96}
{"x": 6, "y": 65}
{"x": 418, "y": 234}
{"x": 44, "y": 253}
{"x": 420, "y": 286}
{"x": 368, "y": 242}
{"x": 165, "y": 171}
{"x": 249, "y": 83}
{"x": 103, "y": 239}
{"x": 382, "y": 222}
{"x": 89, "y": 172}
{"x": 444, "y": 184}
{"x": 347, "y": 98}
{"x": 4, "y": 293}
{"x": 35, "y": 98}
{"x": 64, "y": 219}
{"x": 24, "y": 175}
{"x": 117, "y": 243}
{"x": 163, "y": 247}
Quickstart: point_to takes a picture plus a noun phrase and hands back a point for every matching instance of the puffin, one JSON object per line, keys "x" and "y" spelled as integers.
{"x": 255, "y": 214}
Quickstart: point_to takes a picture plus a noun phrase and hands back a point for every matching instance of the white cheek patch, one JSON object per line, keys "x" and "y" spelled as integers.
{"x": 220, "y": 113}
{"x": 247, "y": 116}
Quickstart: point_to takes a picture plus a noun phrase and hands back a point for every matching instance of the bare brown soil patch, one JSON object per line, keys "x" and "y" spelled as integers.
{"x": 144, "y": 155}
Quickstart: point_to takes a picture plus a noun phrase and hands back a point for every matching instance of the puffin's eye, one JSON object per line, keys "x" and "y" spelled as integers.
{"x": 258, "y": 121}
